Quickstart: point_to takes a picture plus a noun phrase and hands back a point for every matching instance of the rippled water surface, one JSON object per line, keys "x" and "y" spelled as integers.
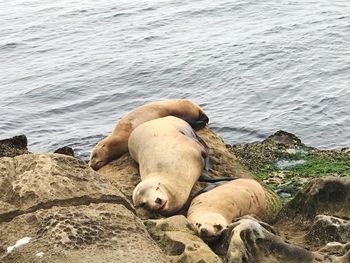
{"x": 69, "y": 69}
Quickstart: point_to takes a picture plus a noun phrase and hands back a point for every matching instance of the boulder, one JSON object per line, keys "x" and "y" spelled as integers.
{"x": 327, "y": 229}
{"x": 14, "y": 146}
{"x": 251, "y": 240}
{"x": 254, "y": 241}
{"x": 177, "y": 239}
{"x": 66, "y": 150}
{"x": 39, "y": 181}
{"x": 326, "y": 195}
{"x": 55, "y": 208}
{"x": 98, "y": 232}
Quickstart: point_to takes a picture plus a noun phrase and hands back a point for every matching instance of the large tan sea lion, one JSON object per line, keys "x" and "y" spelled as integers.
{"x": 211, "y": 212}
{"x": 170, "y": 159}
{"x": 114, "y": 145}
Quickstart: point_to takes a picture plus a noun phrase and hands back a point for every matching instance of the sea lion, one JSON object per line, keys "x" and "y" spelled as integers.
{"x": 211, "y": 212}
{"x": 114, "y": 145}
{"x": 171, "y": 160}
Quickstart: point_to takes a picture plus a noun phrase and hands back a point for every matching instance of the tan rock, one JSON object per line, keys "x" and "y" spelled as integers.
{"x": 54, "y": 208}
{"x": 39, "y": 181}
{"x": 177, "y": 239}
{"x": 83, "y": 233}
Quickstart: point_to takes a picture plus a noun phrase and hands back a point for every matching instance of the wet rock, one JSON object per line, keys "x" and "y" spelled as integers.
{"x": 65, "y": 151}
{"x": 66, "y": 212}
{"x": 284, "y": 139}
{"x": 326, "y": 195}
{"x": 177, "y": 239}
{"x": 14, "y": 146}
{"x": 263, "y": 154}
{"x": 326, "y": 229}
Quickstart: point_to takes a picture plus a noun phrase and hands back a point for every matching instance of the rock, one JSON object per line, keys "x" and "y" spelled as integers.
{"x": 39, "y": 181}
{"x": 66, "y": 212}
{"x": 326, "y": 229}
{"x": 335, "y": 248}
{"x": 14, "y": 146}
{"x": 65, "y": 150}
{"x": 284, "y": 139}
{"x": 122, "y": 173}
{"x": 263, "y": 154}
{"x": 81, "y": 233}
{"x": 254, "y": 241}
{"x": 177, "y": 239}
{"x": 336, "y": 252}
{"x": 222, "y": 161}
{"x": 326, "y": 195}
{"x": 285, "y": 164}
{"x": 250, "y": 240}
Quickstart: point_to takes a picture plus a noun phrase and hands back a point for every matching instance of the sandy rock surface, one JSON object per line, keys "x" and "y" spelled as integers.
{"x": 63, "y": 211}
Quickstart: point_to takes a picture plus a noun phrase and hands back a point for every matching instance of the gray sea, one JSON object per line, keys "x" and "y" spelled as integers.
{"x": 70, "y": 69}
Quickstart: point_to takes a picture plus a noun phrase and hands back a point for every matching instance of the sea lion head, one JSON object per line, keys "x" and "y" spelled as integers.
{"x": 99, "y": 156}
{"x": 150, "y": 195}
{"x": 210, "y": 226}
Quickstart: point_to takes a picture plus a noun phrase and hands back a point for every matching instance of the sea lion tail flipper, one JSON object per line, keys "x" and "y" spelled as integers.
{"x": 201, "y": 122}
{"x": 208, "y": 179}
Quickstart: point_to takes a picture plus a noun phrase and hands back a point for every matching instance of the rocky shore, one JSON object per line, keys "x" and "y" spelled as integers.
{"x": 54, "y": 208}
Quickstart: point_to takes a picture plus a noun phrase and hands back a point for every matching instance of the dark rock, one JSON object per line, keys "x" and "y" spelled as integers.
{"x": 14, "y": 146}
{"x": 285, "y": 139}
{"x": 250, "y": 240}
{"x": 327, "y": 229}
{"x": 65, "y": 150}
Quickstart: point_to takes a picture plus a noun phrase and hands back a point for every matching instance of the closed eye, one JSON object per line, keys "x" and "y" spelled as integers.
{"x": 198, "y": 224}
{"x": 218, "y": 227}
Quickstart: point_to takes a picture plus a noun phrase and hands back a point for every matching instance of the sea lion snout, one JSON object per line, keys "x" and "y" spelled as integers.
{"x": 150, "y": 195}
{"x": 203, "y": 232}
{"x": 98, "y": 157}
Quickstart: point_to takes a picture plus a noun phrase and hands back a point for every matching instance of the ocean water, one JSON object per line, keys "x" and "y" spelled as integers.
{"x": 70, "y": 69}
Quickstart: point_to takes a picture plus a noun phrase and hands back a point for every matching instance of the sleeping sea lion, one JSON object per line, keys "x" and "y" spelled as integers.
{"x": 114, "y": 145}
{"x": 170, "y": 159}
{"x": 211, "y": 212}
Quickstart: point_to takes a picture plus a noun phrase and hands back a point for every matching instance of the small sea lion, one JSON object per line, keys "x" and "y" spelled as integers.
{"x": 212, "y": 211}
{"x": 170, "y": 159}
{"x": 114, "y": 145}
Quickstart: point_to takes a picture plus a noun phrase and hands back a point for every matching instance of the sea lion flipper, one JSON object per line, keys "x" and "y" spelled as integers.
{"x": 198, "y": 125}
{"x": 205, "y": 178}
{"x": 210, "y": 187}
{"x": 201, "y": 122}
{"x": 205, "y": 152}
